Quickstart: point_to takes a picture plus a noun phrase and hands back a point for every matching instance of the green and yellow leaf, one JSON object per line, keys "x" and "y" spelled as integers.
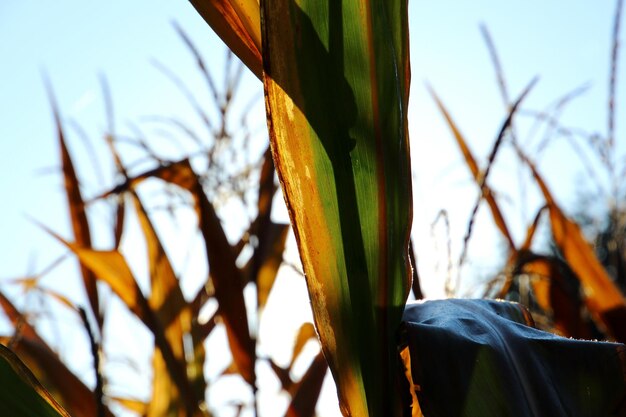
{"x": 336, "y": 77}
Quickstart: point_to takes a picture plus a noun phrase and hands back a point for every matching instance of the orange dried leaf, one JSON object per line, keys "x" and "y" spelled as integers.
{"x": 305, "y": 333}
{"x": 307, "y": 391}
{"x": 556, "y": 291}
{"x": 237, "y": 22}
{"x": 78, "y": 215}
{"x": 226, "y": 277}
{"x": 111, "y": 267}
{"x": 131, "y": 404}
{"x": 603, "y": 298}
{"x": 267, "y": 259}
{"x": 57, "y": 378}
{"x": 167, "y": 301}
{"x": 476, "y": 173}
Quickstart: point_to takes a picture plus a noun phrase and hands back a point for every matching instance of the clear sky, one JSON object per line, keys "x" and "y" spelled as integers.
{"x": 566, "y": 43}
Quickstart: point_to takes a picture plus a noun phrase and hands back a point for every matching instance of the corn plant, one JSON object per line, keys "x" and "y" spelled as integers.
{"x": 336, "y": 79}
{"x": 336, "y": 150}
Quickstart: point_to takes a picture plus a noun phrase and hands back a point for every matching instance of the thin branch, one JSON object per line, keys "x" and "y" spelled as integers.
{"x": 613, "y": 74}
{"x": 95, "y": 352}
{"x": 490, "y": 160}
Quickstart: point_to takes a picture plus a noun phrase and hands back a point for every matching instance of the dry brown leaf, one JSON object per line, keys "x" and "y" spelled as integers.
{"x": 111, "y": 267}
{"x": 307, "y": 390}
{"x": 54, "y": 374}
{"x": 78, "y": 215}
{"x": 305, "y": 333}
{"x": 131, "y": 404}
{"x": 267, "y": 259}
{"x": 226, "y": 276}
{"x": 476, "y": 173}
{"x": 120, "y": 213}
{"x": 167, "y": 301}
{"x": 514, "y": 257}
{"x": 227, "y": 279}
{"x": 556, "y": 291}
{"x": 283, "y": 375}
{"x": 236, "y": 28}
{"x": 601, "y": 295}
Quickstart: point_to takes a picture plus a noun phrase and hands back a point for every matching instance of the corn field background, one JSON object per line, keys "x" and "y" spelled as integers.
{"x": 132, "y": 108}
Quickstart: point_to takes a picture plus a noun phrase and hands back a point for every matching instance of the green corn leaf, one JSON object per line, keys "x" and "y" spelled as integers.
{"x": 481, "y": 358}
{"x": 21, "y": 394}
{"x": 76, "y": 398}
{"x": 336, "y": 77}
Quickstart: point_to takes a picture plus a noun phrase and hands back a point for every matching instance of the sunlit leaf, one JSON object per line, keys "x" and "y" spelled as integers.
{"x": 167, "y": 301}
{"x": 21, "y": 394}
{"x": 226, "y": 277}
{"x": 78, "y": 215}
{"x": 111, "y": 267}
{"x": 237, "y": 23}
{"x": 131, "y": 404}
{"x": 336, "y": 77}
{"x": 60, "y": 298}
{"x": 602, "y": 297}
{"x": 556, "y": 290}
{"x": 306, "y": 332}
{"x": 307, "y": 391}
{"x": 479, "y": 358}
{"x": 471, "y": 163}
{"x": 53, "y": 373}
{"x": 267, "y": 258}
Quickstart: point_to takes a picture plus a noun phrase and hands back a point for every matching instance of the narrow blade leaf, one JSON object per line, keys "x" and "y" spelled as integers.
{"x": 308, "y": 389}
{"x": 112, "y": 268}
{"x": 226, "y": 277}
{"x": 476, "y": 173}
{"x": 167, "y": 301}
{"x": 602, "y": 297}
{"x": 237, "y": 23}
{"x": 55, "y": 375}
{"x": 22, "y": 395}
{"x": 267, "y": 259}
{"x": 78, "y": 215}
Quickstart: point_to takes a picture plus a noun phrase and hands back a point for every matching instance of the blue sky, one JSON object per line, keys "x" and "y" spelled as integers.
{"x": 566, "y": 43}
